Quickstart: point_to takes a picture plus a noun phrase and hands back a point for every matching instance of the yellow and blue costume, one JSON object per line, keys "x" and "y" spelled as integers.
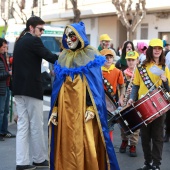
{"x": 75, "y": 144}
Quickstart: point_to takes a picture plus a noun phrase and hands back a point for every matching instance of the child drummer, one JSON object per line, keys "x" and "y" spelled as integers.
{"x": 144, "y": 80}
{"x": 132, "y": 60}
{"x": 112, "y": 77}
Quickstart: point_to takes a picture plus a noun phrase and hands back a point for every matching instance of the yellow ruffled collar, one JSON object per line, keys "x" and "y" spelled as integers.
{"x": 80, "y": 57}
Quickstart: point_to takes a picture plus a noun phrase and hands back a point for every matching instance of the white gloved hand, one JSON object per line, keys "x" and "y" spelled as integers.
{"x": 89, "y": 115}
{"x": 53, "y": 119}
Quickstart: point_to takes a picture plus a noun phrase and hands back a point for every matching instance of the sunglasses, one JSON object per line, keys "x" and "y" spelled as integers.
{"x": 40, "y": 29}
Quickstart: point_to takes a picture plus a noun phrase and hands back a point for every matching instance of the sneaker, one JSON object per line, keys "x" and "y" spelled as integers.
{"x": 156, "y": 168}
{"x": 8, "y": 135}
{"x": 42, "y": 164}
{"x": 123, "y": 146}
{"x": 25, "y": 167}
{"x": 132, "y": 151}
{"x": 146, "y": 166}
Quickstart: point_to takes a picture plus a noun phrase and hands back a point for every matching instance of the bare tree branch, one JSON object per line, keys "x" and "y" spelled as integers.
{"x": 129, "y": 10}
{"x": 2, "y": 14}
{"x": 12, "y": 10}
{"x": 121, "y": 12}
{"x": 76, "y": 11}
{"x": 129, "y": 18}
{"x": 22, "y": 15}
{"x": 143, "y": 2}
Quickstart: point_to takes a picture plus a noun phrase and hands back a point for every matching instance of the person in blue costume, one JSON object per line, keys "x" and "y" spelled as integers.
{"x": 78, "y": 131}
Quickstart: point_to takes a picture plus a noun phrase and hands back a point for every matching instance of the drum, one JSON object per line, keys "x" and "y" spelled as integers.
{"x": 111, "y": 108}
{"x": 128, "y": 120}
{"x": 152, "y": 105}
{"x": 143, "y": 111}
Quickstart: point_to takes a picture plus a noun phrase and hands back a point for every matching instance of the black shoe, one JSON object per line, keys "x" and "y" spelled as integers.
{"x": 25, "y": 167}
{"x": 9, "y": 135}
{"x": 42, "y": 164}
{"x": 146, "y": 167}
{"x": 123, "y": 146}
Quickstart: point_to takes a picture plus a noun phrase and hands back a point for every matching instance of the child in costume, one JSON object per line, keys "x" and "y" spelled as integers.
{"x": 132, "y": 60}
{"x": 144, "y": 81}
{"x": 78, "y": 131}
{"x": 112, "y": 78}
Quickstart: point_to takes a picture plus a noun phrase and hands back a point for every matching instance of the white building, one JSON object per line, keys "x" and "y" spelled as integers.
{"x": 100, "y": 17}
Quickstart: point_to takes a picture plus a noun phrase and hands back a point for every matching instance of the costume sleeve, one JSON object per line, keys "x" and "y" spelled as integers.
{"x": 136, "y": 80}
{"x": 43, "y": 52}
{"x": 55, "y": 109}
{"x": 120, "y": 79}
{"x": 90, "y": 108}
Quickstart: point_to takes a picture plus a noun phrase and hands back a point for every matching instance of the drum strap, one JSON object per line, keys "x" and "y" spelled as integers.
{"x": 145, "y": 77}
{"x": 109, "y": 89}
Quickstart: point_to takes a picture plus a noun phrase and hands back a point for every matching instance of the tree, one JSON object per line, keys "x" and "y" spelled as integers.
{"x": 4, "y": 14}
{"x": 129, "y": 18}
{"x": 76, "y": 11}
{"x": 19, "y": 10}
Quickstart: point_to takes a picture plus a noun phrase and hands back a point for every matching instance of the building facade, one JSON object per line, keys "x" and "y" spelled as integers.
{"x": 100, "y": 17}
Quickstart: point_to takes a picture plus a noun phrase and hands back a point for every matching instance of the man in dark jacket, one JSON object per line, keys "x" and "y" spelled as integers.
{"x": 27, "y": 89}
{"x": 4, "y": 92}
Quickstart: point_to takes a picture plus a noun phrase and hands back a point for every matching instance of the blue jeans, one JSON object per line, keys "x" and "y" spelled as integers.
{"x": 4, "y": 111}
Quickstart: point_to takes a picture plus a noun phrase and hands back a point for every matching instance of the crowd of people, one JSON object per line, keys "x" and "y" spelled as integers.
{"x": 79, "y": 137}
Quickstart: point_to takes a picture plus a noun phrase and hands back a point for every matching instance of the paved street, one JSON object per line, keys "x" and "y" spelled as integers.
{"x": 7, "y": 149}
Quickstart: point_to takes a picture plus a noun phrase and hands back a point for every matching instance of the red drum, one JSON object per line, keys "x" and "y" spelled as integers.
{"x": 129, "y": 120}
{"x": 143, "y": 111}
{"x": 152, "y": 105}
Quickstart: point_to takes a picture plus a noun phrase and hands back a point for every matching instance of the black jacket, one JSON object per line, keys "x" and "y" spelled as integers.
{"x": 3, "y": 77}
{"x": 26, "y": 71}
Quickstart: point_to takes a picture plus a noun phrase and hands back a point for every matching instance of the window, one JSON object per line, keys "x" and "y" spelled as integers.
{"x": 144, "y": 31}
{"x": 51, "y": 43}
